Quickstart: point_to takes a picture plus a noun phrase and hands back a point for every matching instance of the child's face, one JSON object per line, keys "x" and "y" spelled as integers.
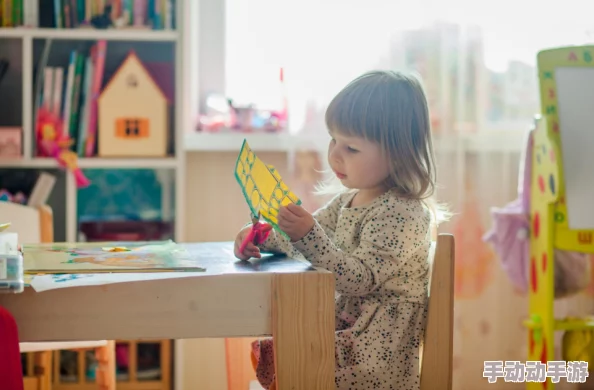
{"x": 358, "y": 163}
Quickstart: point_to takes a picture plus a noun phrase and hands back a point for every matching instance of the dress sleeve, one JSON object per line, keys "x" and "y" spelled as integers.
{"x": 325, "y": 217}
{"x": 389, "y": 237}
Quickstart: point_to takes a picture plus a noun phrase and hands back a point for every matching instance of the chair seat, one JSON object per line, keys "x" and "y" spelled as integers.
{"x": 60, "y": 345}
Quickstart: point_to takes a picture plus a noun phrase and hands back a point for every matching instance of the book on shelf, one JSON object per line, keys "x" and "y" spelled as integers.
{"x": 71, "y": 93}
{"x": 155, "y": 14}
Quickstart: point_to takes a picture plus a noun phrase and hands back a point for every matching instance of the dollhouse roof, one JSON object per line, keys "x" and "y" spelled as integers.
{"x": 146, "y": 73}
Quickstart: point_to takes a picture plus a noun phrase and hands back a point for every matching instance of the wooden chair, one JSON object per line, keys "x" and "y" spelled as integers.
{"x": 438, "y": 344}
{"x": 35, "y": 225}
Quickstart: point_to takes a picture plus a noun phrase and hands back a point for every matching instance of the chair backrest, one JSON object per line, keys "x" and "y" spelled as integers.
{"x": 438, "y": 343}
{"x": 33, "y": 224}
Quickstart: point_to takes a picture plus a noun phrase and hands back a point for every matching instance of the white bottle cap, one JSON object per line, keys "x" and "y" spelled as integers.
{"x": 9, "y": 243}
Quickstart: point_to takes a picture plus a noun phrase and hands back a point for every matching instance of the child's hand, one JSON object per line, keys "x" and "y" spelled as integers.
{"x": 295, "y": 221}
{"x": 251, "y": 250}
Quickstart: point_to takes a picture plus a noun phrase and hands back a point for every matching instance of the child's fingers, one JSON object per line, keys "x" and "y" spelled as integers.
{"x": 285, "y": 214}
{"x": 296, "y": 209}
{"x": 251, "y": 250}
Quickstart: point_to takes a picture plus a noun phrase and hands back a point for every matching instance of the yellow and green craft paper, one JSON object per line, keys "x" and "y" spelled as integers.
{"x": 262, "y": 186}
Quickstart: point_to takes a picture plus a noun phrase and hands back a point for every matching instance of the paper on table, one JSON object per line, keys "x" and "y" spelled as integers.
{"x": 55, "y": 281}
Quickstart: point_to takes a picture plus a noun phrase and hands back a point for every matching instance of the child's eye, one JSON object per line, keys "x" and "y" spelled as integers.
{"x": 352, "y": 150}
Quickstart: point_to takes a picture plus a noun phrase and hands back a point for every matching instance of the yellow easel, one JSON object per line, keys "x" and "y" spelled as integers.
{"x": 548, "y": 211}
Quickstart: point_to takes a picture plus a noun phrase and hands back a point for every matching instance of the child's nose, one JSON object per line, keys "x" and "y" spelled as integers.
{"x": 335, "y": 155}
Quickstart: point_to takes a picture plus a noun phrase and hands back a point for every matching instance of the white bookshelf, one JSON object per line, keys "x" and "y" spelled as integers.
{"x": 173, "y": 166}
{"x": 87, "y": 33}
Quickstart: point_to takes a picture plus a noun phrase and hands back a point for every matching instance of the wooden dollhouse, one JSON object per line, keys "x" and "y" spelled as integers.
{"x": 133, "y": 113}
{"x": 562, "y": 189}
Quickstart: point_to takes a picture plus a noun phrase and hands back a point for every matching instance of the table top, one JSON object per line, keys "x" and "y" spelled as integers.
{"x": 218, "y": 258}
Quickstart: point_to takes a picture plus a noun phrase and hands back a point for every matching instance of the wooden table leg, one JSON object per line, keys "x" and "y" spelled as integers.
{"x": 106, "y": 370}
{"x": 303, "y": 330}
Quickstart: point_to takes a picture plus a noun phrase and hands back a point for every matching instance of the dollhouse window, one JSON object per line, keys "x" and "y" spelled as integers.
{"x": 132, "y": 128}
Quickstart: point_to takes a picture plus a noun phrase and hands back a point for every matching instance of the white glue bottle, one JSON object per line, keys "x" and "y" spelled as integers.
{"x": 11, "y": 264}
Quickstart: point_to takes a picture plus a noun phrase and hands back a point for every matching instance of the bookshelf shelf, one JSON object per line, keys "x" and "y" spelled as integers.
{"x": 95, "y": 163}
{"x": 85, "y": 33}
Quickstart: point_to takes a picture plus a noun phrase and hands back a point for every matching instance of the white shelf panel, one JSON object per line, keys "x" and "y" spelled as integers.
{"x": 263, "y": 142}
{"x": 488, "y": 141}
{"x": 95, "y": 163}
{"x": 126, "y": 34}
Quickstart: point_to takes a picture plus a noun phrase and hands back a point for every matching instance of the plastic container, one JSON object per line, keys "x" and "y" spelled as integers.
{"x": 11, "y": 273}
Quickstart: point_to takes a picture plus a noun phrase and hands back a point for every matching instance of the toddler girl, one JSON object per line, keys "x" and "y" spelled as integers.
{"x": 374, "y": 235}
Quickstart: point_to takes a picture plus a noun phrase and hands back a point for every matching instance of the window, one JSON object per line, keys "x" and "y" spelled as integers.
{"x": 477, "y": 61}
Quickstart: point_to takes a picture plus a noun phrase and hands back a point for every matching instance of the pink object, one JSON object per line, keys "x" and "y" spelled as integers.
{"x": 10, "y": 142}
{"x": 121, "y": 352}
{"x": 257, "y": 235}
{"x": 11, "y": 372}
{"x": 510, "y": 233}
{"x": 52, "y": 142}
{"x": 510, "y": 238}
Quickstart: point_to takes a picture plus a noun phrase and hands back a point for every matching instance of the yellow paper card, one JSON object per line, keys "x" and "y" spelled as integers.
{"x": 262, "y": 186}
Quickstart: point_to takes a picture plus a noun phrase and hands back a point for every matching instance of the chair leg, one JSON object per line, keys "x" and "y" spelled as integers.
{"x": 11, "y": 371}
{"x": 106, "y": 370}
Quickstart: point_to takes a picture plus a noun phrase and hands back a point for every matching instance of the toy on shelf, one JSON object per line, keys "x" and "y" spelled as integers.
{"x": 222, "y": 113}
{"x": 53, "y": 142}
{"x": 10, "y": 142}
{"x": 6, "y": 196}
{"x": 133, "y": 113}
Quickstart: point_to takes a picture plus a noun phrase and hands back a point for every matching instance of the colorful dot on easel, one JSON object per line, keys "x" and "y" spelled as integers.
{"x": 538, "y": 158}
{"x": 543, "y": 358}
{"x": 541, "y": 184}
{"x": 533, "y": 281}
{"x": 544, "y": 261}
{"x": 532, "y": 342}
{"x": 536, "y": 225}
{"x": 552, "y": 183}
{"x": 552, "y": 155}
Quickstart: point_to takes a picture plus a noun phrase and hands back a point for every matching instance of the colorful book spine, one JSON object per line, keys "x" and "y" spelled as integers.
{"x": 58, "y": 90}
{"x": 68, "y": 95}
{"x": 59, "y": 22}
{"x": 95, "y": 91}
{"x": 31, "y": 13}
{"x": 48, "y": 82}
{"x": 83, "y": 129}
{"x": 140, "y": 12}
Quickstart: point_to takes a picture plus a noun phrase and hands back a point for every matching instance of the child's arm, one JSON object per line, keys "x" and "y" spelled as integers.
{"x": 389, "y": 237}
{"x": 326, "y": 217}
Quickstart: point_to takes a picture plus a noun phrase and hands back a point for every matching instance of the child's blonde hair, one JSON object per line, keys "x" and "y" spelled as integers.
{"x": 389, "y": 108}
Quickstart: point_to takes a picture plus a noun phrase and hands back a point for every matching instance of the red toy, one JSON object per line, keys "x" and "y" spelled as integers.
{"x": 52, "y": 142}
{"x": 258, "y": 234}
{"x": 11, "y": 372}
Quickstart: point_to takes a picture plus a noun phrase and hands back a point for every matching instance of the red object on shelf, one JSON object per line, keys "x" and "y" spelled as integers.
{"x": 126, "y": 230}
{"x": 11, "y": 371}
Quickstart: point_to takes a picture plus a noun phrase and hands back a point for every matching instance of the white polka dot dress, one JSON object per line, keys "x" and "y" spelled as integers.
{"x": 379, "y": 256}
